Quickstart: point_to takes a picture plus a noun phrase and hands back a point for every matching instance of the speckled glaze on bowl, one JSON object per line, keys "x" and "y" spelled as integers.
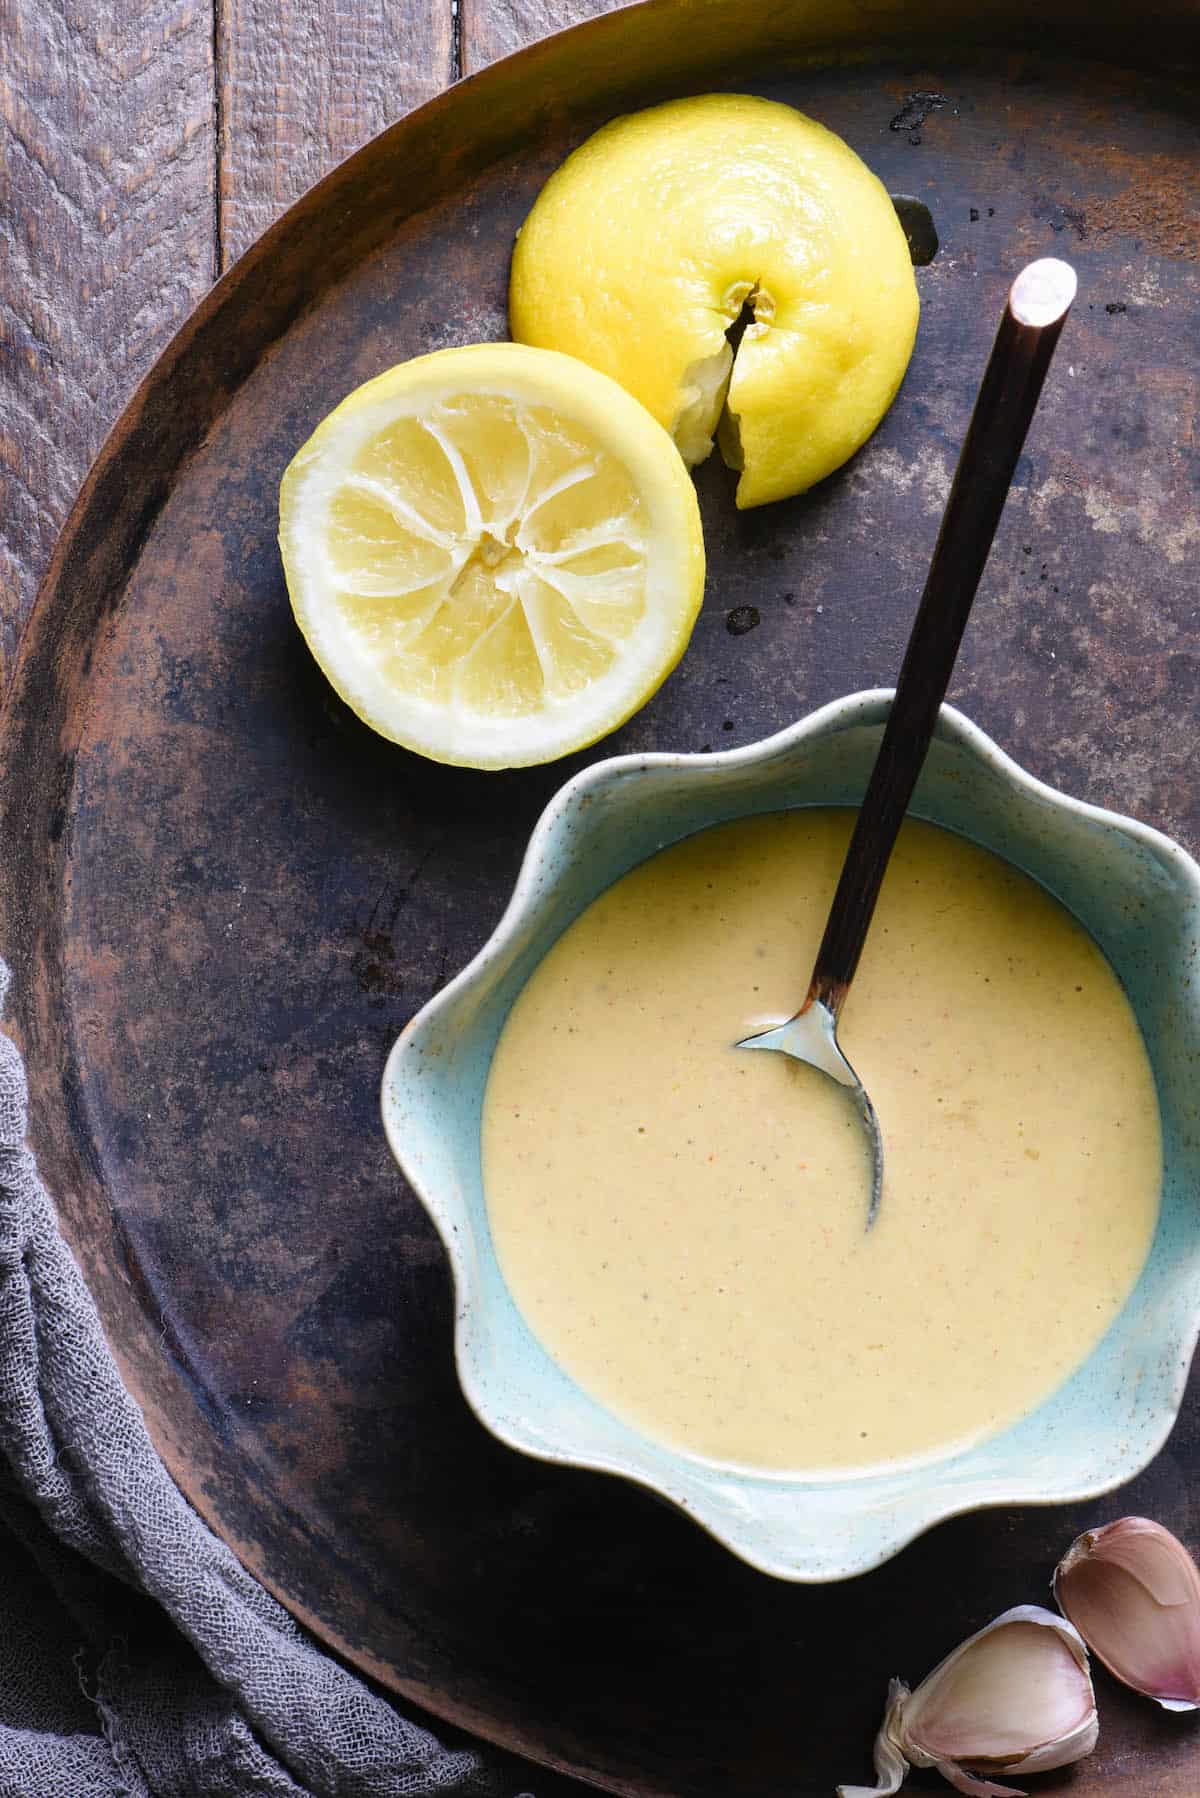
{"x": 1135, "y": 890}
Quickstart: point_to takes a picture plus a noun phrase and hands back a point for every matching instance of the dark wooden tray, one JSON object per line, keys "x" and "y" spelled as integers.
{"x": 224, "y": 898}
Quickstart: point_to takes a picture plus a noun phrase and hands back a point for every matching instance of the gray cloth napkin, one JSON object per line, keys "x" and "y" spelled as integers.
{"x": 138, "y": 1658}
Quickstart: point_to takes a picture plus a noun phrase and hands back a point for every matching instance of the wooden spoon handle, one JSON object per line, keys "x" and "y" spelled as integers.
{"x": 1038, "y": 303}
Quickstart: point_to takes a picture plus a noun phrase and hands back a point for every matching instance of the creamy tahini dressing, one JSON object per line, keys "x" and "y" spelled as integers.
{"x": 682, "y": 1223}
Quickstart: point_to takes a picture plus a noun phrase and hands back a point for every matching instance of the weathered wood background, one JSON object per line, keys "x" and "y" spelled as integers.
{"x": 146, "y": 143}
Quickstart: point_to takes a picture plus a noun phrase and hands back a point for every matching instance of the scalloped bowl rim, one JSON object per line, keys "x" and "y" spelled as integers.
{"x": 864, "y": 708}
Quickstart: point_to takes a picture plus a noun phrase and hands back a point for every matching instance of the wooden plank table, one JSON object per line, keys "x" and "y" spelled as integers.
{"x": 145, "y": 146}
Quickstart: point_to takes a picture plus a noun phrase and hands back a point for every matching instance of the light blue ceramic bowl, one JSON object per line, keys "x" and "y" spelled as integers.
{"x": 1139, "y": 895}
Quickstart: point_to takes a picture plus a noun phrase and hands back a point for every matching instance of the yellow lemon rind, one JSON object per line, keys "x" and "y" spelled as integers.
{"x": 644, "y": 245}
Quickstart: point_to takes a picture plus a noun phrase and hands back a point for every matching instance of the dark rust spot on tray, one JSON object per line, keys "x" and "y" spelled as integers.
{"x": 916, "y": 109}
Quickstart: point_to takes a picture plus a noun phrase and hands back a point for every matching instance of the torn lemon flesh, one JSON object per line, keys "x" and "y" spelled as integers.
{"x": 493, "y": 552}
{"x": 647, "y": 244}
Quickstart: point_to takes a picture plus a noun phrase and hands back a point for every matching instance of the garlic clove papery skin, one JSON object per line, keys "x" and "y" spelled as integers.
{"x": 1016, "y": 1697}
{"x": 1133, "y": 1592}
{"x": 891, "y": 1768}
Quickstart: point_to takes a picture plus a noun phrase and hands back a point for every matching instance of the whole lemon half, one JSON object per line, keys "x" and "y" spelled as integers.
{"x": 660, "y": 230}
{"x": 493, "y": 552}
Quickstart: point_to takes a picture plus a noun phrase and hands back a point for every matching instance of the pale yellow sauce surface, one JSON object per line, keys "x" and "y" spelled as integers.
{"x": 682, "y": 1223}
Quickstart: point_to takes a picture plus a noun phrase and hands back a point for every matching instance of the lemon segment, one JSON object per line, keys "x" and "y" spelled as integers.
{"x": 645, "y": 246}
{"x": 494, "y": 553}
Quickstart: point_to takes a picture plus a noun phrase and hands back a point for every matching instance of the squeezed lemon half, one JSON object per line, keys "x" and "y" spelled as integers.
{"x": 660, "y": 230}
{"x": 494, "y": 554}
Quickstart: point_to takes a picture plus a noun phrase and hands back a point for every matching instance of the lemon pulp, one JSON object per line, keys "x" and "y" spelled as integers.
{"x": 493, "y": 552}
{"x": 647, "y": 244}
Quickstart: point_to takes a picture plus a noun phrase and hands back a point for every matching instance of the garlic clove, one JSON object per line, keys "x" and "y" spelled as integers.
{"x": 1016, "y": 1697}
{"x": 1133, "y": 1592}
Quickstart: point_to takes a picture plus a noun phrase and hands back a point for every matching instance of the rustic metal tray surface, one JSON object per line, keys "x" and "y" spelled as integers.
{"x": 223, "y": 897}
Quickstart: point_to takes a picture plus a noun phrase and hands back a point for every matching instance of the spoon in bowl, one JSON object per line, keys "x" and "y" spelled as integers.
{"x": 1037, "y": 305}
